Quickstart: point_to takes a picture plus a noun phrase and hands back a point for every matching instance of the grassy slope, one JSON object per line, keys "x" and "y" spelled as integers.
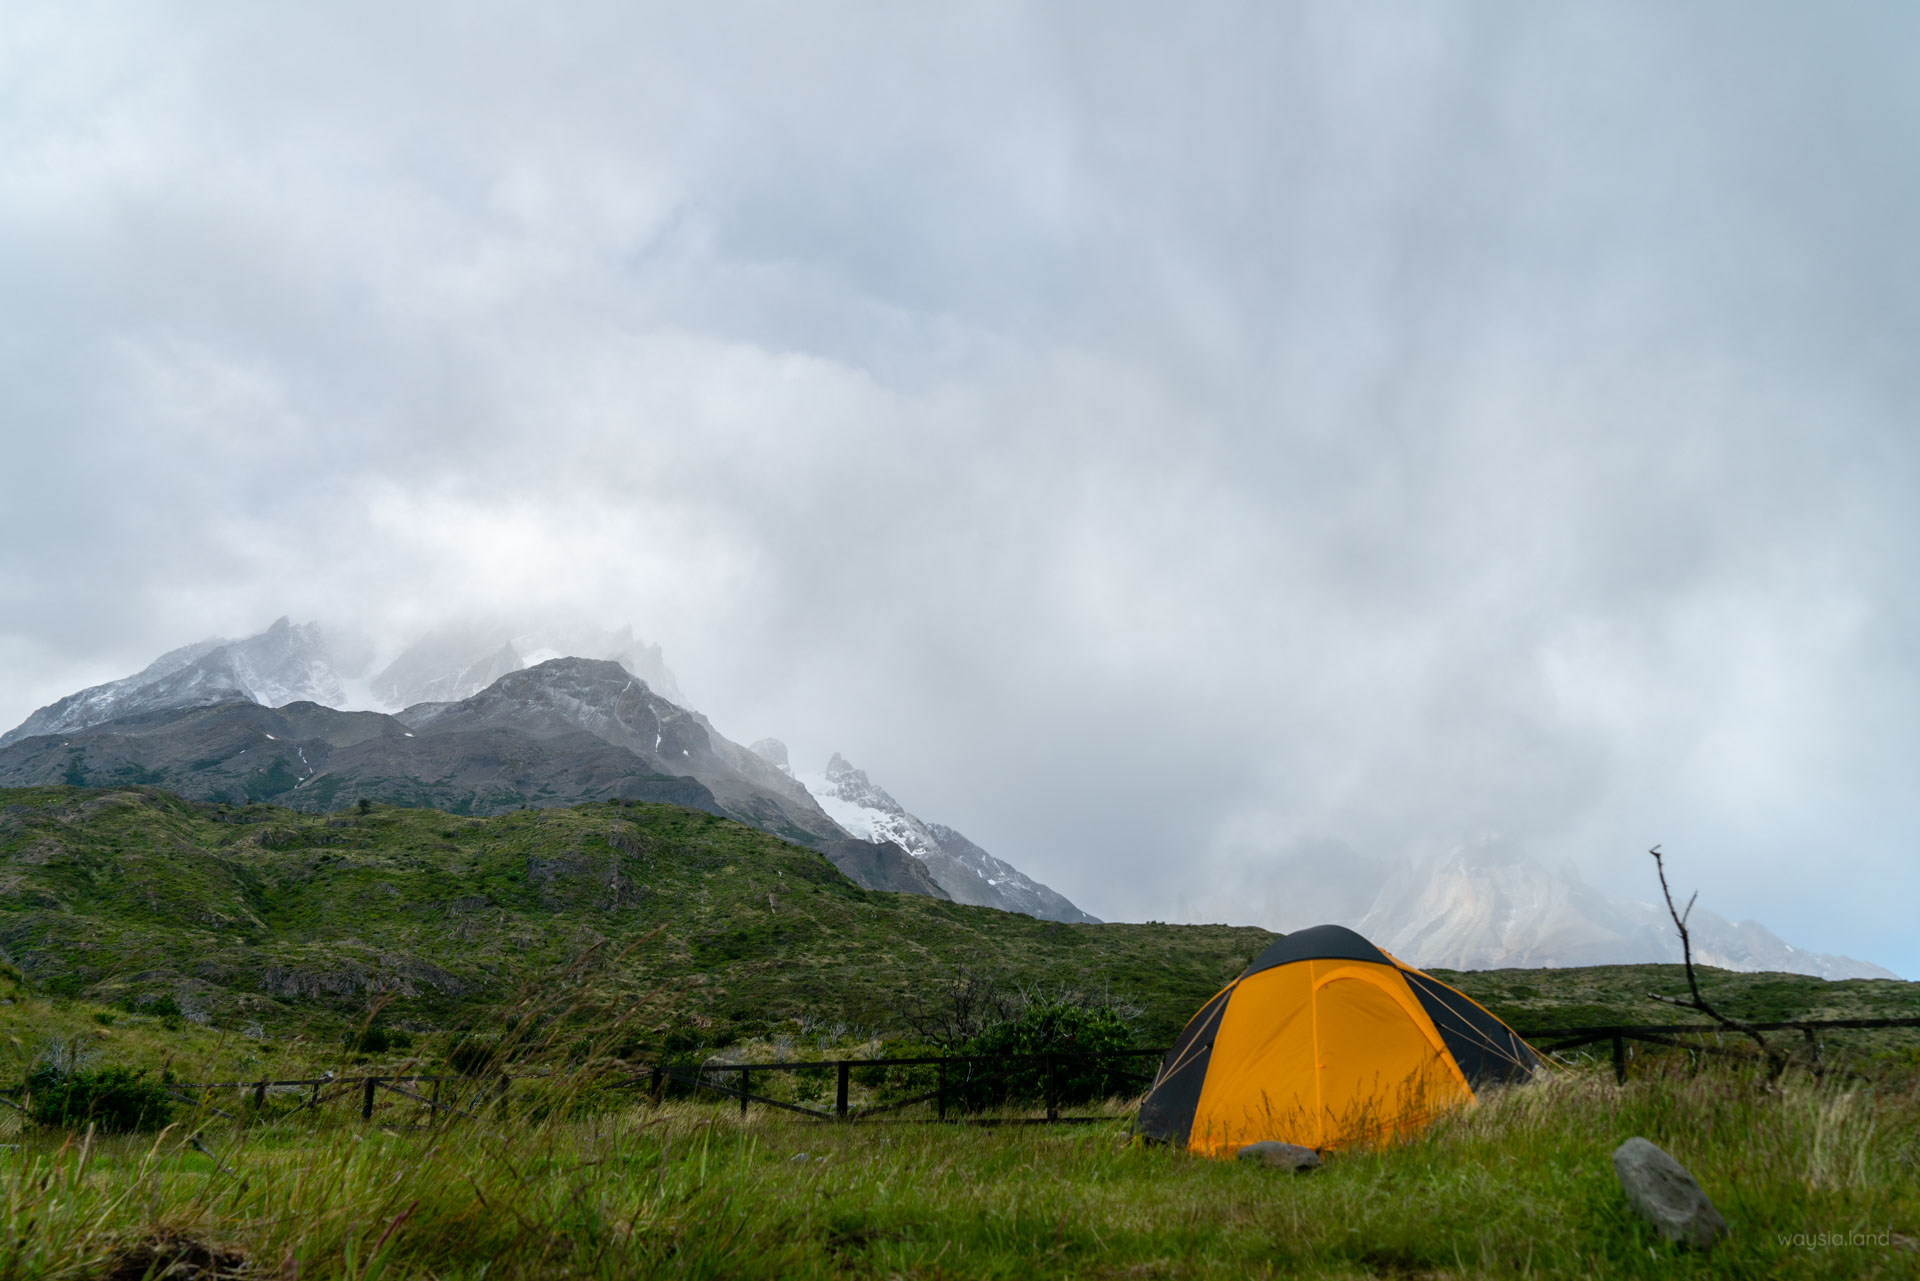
{"x": 261, "y": 916}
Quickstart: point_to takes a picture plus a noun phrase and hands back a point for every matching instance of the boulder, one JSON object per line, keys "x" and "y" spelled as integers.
{"x": 1283, "y": 1156}
{"x": 1660, "y": 1188}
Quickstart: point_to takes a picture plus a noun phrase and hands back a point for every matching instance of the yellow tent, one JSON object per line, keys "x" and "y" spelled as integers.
{"x": 1326, "y": 1041}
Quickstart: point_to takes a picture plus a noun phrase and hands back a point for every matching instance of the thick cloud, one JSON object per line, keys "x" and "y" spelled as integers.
{"x": 1148, "y": 441}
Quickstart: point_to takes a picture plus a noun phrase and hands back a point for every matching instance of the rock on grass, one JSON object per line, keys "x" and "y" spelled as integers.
{"x": 1660, "y": 1188}
{"x": 1284, "y": 1156}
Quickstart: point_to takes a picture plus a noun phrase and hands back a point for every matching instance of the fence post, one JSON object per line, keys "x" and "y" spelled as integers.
{"x": 1620, "y": 1060}
{"x": 313, "y": 1099}
{"x": 366, "y": 1102}
{"x": 1053, "y": 1092}
{"x": 657, "y": 1087}
{"x": 743, "y": 1091}
{"x": 940, "y": 1104}
{"x": 840, "y": 1092}
{"x": 260, "y": 1096}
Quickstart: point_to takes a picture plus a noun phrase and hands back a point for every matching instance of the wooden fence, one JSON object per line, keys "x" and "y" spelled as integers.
{"x": 463, "y": 1095}
{"x": 1560, "y": 1040}
{"x": 657, "y": 1076}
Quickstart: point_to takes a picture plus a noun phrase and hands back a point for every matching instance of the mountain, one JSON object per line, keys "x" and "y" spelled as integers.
{"x": 1485, "y": 904}
{"x": 965, "y": 871}
{"x": 563, "y": 697}
{"x": 261, "y": 719}
{"x": 568, "y": 730}
{"x": 317, "y": 759}
{"x": 480, "y": 717}
{"x": 286, "y": 663}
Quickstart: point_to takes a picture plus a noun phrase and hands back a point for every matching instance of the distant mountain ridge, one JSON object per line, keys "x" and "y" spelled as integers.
{"x": 1485, "y": 904}
{"x": 287, "y": 663}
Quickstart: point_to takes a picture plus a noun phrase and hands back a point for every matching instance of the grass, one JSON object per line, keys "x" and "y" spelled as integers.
{"x": 1519, "y": 1186}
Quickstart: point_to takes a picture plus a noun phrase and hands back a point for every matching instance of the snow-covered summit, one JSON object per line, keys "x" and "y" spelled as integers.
{"x": 965, "y": 871}
{"x": 287, "y": 663}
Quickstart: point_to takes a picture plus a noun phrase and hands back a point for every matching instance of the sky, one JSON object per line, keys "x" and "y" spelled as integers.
{"x": 1154, "y": 440}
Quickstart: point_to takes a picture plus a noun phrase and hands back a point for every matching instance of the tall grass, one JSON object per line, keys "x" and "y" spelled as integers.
{"x": 590, "y": 1186}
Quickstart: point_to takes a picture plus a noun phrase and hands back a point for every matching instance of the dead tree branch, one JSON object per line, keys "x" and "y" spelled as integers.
{"x": 1776, "y": 1061}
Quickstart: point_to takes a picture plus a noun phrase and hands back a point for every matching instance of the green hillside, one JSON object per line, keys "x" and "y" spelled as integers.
{"x": 259, "y": 920}
{"x": 260, "y": 917}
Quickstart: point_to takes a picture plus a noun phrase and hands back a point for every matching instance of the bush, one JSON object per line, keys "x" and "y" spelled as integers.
{"x": 1076, "y": 1032}
{"x": 114, "y": 1099}
{"x": 473, "y": 1055}
{"x": 162, "y": 1007}
{"x": 378, "y": 1040}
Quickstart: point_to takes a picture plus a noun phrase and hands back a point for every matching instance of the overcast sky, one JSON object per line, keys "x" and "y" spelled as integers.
{"x": 1147, "y": 439}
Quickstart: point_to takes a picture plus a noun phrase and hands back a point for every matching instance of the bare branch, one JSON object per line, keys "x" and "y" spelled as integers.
{"x": 1775, "y": 1060}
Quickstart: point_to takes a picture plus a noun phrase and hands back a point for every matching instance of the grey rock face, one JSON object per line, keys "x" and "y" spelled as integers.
{"x": 881, "y": 865}
{"x": 1662, "y": 1191}
{"x": 966, "y": 872}
{"x": 565, "y": 696}
{"x": 1281, "y": 1156}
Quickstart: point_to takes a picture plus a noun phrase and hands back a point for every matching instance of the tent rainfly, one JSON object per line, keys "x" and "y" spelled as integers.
{"x": 1326, "y": 1041}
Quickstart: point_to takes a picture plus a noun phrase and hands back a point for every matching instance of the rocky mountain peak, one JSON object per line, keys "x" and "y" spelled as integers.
{"x": 854, "y": 787}
{"x": 567, "y": 695}
{"x": 286, "y": 663}
{"x": 461, "y": 659}
{"x": 963, "y": 871}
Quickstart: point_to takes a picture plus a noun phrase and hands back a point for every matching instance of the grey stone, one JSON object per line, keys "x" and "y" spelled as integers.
{"x": 1660, "y": 1188}
{"x": 1284, "y": 1156}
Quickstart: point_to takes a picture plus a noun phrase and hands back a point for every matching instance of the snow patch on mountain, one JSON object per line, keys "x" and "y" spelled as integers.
{"x": 965, "y": 871}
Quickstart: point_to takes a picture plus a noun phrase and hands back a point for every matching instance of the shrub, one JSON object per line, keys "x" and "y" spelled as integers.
{"x": 376, "y": 1039}
{"x": 114, "y": 1099}
{"x": 1073, "y": 1030}
{"x": 473, "y": 1055}
{"x": 164, "y": 1007}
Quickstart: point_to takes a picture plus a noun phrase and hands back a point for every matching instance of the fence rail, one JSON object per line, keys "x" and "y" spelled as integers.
{"x": 1559, "y": 1040}
{"x": 655, "y": 1076}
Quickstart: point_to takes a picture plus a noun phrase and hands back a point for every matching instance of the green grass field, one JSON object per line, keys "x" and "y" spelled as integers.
{"x": 1519, "y": 1186}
